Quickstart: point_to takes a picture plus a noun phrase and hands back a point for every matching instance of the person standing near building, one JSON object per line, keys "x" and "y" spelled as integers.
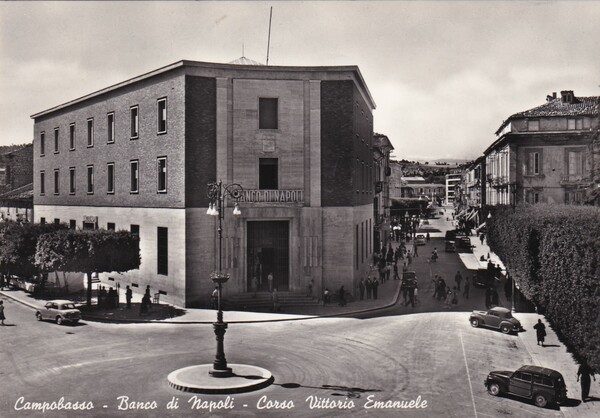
{"x": 310, "y": 287}
{"x": 375, "y": 285}
{"x": 540, "y": 331}
{"x": 275, "y": 298}
{"x": 369, "y": 287}
{"x": 254, "y": 285}
{"x": 342, "y": 296}
{"x": 128, "y": 296}
{"x": 584, "y": 373}
{"x": 361, "y": 289}
{"x": 270, "y": 280}
{"x": 415, "y": 249}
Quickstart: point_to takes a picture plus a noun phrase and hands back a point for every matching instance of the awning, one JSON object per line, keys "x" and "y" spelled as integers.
{"x": 479, "y": 227}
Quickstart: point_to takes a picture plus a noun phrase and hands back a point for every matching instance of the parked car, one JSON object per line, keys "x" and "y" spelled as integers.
{"x": 544, "y": 386}
{"x": 420, "y": 239}
{"x": 450, "y": 246}
{"x": 496, "y": 317}
{"x": 60, "y": 311}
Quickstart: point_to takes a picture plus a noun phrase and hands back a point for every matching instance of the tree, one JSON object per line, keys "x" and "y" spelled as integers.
{"x": 18, "y": 243}
{"x": 87, "y": 252}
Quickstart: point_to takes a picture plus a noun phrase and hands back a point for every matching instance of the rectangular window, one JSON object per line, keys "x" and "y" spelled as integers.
{"x": 134, "y": 121}
{"x": 575, "y": 164}
{"x": 72, "y": 224}
{"x": 134, "y": 165}
{"x": 56, "y": 140}
{"x": 110, "y": 226}
{"x": 90, "y": 132}
{"x": 42, "y": 220}
{"x": 532, "y": 197}
{"x": 533, "y": 163}
{"x": 56, "y": 181}
{"x": 267, "y": 113}
{"x": 110, "y": 180}
{"x": 71, "y": 180}
{"x": 268, "y": 173}
{"x": 42, "y": 183}
{"x": 135, "y": 229}
{"x": 575, "y": 124}
{"x": 56, "y": 221}
{"x": 42, "y": 144}
{"x": 162, "y": 174}
{"x": 533, "y": 125}
{"x": 161, "y": 116}
{"x": 90, "y": 179}
{"x": 162, "y": 251}
{"x": 110, "y": 128}
{"x": 72, "y": 136}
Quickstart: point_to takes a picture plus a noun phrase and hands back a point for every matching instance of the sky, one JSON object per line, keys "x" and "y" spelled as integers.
{"x": 443, "y": 74}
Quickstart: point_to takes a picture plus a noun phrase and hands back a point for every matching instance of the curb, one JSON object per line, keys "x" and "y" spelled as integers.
{"x": 158, "y": 321}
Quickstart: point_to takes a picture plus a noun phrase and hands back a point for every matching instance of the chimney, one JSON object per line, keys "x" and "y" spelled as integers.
{"x": 567, "y": 96}
{"x": 550, "y": 98}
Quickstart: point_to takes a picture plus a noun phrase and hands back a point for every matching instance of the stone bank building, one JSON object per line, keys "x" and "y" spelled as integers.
{"x": 138, "y": 156}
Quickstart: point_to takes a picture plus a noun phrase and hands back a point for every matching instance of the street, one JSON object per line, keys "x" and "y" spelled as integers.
{"x": 437, "y": 357}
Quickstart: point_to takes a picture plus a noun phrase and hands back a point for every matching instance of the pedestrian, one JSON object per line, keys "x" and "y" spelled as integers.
{"x": 409, "y": 258}
{"x": 584, "y": 372}
{"x": 342, "y": 296}
{"x": 144, "y": 305}
{"x": 482, "y": 238}
{"x": 326, "y": 296}
{"x": 214, "y": 298}
{"x": 128, "y": 296}
{"x": 375, "y": 286}
{"x": 310, "y": 287}
{"x": 458, "y": 279}
{"x": 428, "y": 237}
{"x": 396, "y": 276}
{"x": 434, "y": 255}
{"x": 2, "y": 317}
{"x": 148, "y": 297}
{"x": 416, "y": 295}
{"x": 275, "y": 299}
{"x": 540, "y": 331}
{"x": 415, "y": 250}
{"x": 361, "y": 289}
{"x": 466, "y": 288}
{"x": 270, "y": 280}
{"x": 449, "y": 297}
{"x": 388, "y": 271}
{"x": 1, "y": 281}
{"x": 369, "y": 287}
{"x": 442, "y": 292}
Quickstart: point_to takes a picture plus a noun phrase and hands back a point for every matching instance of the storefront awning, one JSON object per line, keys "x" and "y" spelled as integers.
{"x": 480, "y": 226}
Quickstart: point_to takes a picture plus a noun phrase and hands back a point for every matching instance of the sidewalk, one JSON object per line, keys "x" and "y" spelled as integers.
{"x": 388, "y": 295}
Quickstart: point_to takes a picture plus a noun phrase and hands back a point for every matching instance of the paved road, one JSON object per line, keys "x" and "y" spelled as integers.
{"x": 437, "y": 356}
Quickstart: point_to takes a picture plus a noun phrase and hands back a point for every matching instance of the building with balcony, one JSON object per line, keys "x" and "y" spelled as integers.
{"x": 382, "y": 148}
{"x": 453, "y": 180}
{"x": 138, "y": 156}
{"x": 546, "y": 154}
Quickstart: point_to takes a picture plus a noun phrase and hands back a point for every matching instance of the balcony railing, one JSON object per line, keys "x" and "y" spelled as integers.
{"x": 572, "y": 179}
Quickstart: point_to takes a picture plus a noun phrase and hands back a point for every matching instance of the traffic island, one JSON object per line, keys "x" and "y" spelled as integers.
{"x": 243, "y": 378}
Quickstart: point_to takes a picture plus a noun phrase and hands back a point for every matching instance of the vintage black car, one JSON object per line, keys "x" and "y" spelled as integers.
{"x": 497, "y": 317}
{"x": 544, "y": 386}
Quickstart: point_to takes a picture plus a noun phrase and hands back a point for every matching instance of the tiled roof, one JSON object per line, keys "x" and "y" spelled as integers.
{"x": 581, "y": 106}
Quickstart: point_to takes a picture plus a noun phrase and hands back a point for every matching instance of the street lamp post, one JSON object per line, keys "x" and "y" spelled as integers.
{"x": 217, "y": 193}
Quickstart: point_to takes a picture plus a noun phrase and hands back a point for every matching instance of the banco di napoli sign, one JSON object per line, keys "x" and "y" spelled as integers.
{"x": 272, "y": 196}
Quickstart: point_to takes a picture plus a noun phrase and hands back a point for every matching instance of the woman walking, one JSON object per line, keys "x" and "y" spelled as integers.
{"x": 2, "y": 317}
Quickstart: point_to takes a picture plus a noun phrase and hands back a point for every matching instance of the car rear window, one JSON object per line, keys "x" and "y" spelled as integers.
{"x": 68, "y": 306}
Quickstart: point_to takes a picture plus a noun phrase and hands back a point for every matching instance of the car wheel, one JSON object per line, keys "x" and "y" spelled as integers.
{"x": 38, "y": 316}
{"x": 505, "y": 328}
{"x": 59, "y": 320}
{"x": 474, "y": 322}
{"x": 494, "y": 389}
{"x": 540, "y": 400}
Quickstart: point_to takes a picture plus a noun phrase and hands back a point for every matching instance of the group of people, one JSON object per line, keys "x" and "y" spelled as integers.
{"x": 368, "y": 286}
{"x": 108, "y": 299}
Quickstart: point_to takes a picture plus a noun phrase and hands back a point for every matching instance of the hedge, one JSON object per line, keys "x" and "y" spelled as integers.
{"x": 553, "y": 254}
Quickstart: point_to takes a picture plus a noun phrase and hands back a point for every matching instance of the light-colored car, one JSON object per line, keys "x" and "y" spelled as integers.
{"x": 420, "y": 239}
{"x": 498, "y": 318}
{"x": 60, "y": 311}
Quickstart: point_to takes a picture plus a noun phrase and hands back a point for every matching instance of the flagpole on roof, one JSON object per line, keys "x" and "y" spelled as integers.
{"x": 269, "y": 39}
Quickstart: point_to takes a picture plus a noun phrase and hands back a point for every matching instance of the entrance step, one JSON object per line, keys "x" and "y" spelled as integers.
{"x": 263, "y": 301}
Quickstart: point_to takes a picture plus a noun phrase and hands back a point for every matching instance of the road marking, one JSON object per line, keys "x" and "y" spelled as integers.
{"x": 468, "y": 374}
